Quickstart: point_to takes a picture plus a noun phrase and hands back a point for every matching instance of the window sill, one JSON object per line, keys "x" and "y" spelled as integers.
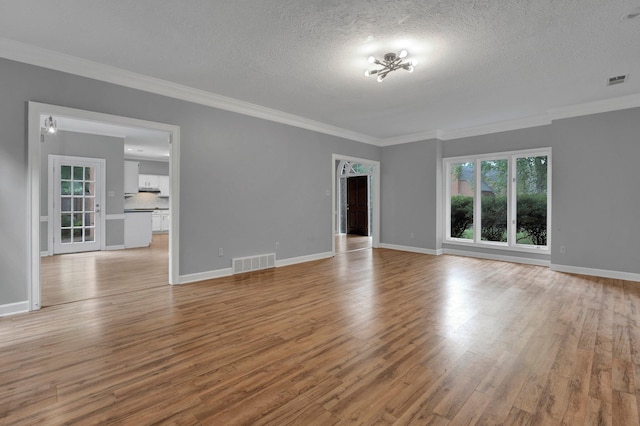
{"x": 499, "y": 246}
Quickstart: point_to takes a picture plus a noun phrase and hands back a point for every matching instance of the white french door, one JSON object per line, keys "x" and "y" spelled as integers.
{"x": 77, "y": 190}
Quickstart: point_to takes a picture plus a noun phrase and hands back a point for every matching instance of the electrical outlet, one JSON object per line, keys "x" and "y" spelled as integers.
{"x": 111, "y": 194}
{"x": 563, "y": 249}
{"x": 220, "y": 252}
{"x": 277, "y": 245}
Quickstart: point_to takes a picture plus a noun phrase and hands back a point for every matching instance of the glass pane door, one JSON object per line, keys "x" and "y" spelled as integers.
{"x": 76, "y": 205}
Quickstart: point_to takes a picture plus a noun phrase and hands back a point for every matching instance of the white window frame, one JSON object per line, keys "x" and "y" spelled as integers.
{"x": 477, "y": 241}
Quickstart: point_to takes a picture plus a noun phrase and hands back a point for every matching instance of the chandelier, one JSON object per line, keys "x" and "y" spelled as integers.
{"x": 391, "y": 62}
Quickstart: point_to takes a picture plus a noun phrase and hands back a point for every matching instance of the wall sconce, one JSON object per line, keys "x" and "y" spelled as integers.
{"x": 50, "y": 126}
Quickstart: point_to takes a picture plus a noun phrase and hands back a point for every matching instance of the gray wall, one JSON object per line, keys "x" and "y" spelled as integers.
{"x": 409, "y": 194}
{"x": 93, "y": 146}
{"x": 245, "y": 183}
{"x": 596, "y": 191}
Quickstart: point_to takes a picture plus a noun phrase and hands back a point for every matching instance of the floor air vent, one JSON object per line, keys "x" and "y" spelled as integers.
{"x": 253, "y": 263}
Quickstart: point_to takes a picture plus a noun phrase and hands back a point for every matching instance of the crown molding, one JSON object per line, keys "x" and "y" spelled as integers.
{"x": 596, "y": 107}
{"x": 502, "y": 126}
{"x": 578, "y": 110}
{"x": 45, "y": 58}
{"x": 415, "y": 137}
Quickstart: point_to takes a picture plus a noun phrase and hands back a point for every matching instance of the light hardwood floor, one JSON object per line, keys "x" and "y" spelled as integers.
{"x": 79, "y": 276}
{"x": 367, "y": 337}
{"x": 347, "y": 242}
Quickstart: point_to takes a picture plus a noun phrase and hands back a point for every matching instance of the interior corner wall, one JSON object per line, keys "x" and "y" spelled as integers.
{"x": 596, "y": 191}
{"x": 245, "y": 183}
{"x": 409, "y": 194}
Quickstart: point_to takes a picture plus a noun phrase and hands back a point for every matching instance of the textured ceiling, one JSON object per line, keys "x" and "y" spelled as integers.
{"x": 480, "y": 61}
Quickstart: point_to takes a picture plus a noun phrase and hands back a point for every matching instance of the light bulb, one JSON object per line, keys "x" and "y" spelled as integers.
{"x": 367, "y": 73}
{"x": 410, "y": 69}
{"x": 381, "y": 77}
{"x": 403, "y": 53}
{"x": 371, "y": 59}
{"x": 50, "y": 125}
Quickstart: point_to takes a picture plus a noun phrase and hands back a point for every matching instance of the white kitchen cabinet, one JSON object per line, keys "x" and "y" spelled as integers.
{"x": 137, "y": 229}
{"x": 166, "y": 222}
{"x": 148, "y": 181}
{"x": 156, "y": 222}
{"x": 163, "y": 184}
{"x": 131, "y": 183}
{"x": 160, "y": 221}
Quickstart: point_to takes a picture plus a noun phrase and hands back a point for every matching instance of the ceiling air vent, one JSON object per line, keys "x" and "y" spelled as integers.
{"x": 633, "y": 14}
{"x": 619, "y": 79}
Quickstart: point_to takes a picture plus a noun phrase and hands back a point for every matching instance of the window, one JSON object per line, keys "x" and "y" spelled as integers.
{"x": 500, "y": 200}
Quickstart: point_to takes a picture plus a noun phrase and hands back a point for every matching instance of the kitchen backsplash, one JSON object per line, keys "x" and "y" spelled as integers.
{"x": 146, "y": 200}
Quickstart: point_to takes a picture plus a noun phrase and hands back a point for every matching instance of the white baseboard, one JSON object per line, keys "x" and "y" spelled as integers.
{"x": 303, "y": 259}
{"x": 220, "y": 273}
{"x": 605, "y": 273}
{"x": 412, "y": 249}
{"x": 14, "y": 308}
{"x": 202, "y": 276}
{"x": 502, "y": 258}
{"x": 118, "y": 247}
{"x": 44, "y": 253}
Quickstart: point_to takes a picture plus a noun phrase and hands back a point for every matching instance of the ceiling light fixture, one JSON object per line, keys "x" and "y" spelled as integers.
{"x": 391, "y": 62}
{"x": 50, "y": 125}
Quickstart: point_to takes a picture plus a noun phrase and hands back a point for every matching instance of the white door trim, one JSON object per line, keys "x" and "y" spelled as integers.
{"x": 37, "y": 109}
{"x": 375, "y": 226}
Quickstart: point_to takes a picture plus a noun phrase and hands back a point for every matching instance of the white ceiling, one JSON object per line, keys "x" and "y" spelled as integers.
{"x": 480, "y": 61}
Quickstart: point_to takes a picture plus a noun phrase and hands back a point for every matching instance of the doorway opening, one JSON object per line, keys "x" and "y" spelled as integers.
{"x": 356, "y": 204}
{"x": 75, "y": 209}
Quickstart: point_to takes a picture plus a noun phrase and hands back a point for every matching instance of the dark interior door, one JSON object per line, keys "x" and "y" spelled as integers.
{"x": 358, "y": 205}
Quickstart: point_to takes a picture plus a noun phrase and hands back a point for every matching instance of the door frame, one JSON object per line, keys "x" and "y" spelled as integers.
{"x": 34, "y": 134}
{"x": 375, "y": 198}
{"x": 102, "y": 198}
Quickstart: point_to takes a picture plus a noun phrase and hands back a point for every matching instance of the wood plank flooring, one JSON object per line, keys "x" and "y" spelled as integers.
{"x": 349, "y": 242}
{"x": 79, "y": 276}
{"x": 367, "y": 337}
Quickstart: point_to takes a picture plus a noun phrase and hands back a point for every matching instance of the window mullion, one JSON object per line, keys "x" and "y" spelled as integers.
{"x": 511, "y": 220}
{"x": 477, "y": 202}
